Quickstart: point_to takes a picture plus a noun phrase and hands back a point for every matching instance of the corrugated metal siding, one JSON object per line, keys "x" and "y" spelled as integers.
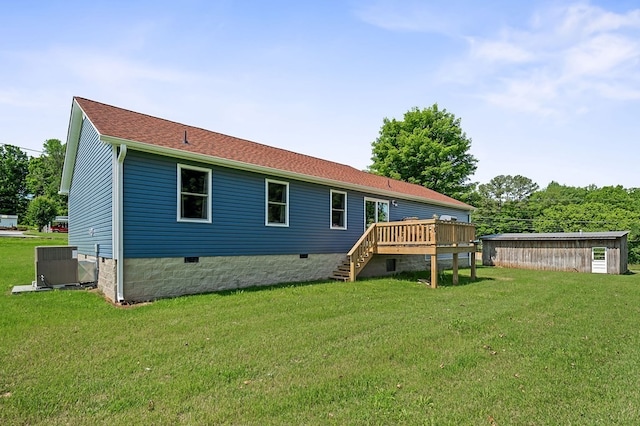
{"x": 151, "y": 228}
{"x": 548, "y": 255}
{"x": 90, "y": 196}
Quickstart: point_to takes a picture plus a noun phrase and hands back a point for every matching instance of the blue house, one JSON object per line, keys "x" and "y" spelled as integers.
{"x": 167, "y": 209}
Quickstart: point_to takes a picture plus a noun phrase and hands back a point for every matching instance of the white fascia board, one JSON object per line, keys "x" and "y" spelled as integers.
{"x": 177, "y": 153}
{"x": 73, "y": 138}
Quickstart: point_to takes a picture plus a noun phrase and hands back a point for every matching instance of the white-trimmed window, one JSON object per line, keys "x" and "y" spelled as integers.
{"x": 375, "y": 211}
{"x": 276, "y": 203}
{"x": 194, "y": 194}
{"x": 338, "y": 210}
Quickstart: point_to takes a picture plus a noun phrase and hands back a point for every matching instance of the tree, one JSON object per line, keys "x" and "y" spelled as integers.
{"x": 504, "y": 205}
{"x": 45, "y": 173}
{"x": 555, "y": 194}
{"x": 502, "y": 189}
{"x": 429, "y": 148}
{"x": 42, "y": 210}
{"x": 13, "y": 173}
{"x": 561, "y": 208}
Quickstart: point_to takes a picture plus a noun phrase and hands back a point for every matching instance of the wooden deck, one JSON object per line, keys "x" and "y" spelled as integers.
{"x": 429, "y": 237}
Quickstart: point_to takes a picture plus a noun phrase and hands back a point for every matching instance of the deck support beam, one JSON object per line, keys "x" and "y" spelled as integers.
{"x": 434, "y": 271}
{"x": 455, "y": 268}
{"x": 472, "y": 260}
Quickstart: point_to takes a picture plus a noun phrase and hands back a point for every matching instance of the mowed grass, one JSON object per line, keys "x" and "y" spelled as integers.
{"x": 515, "y": 347}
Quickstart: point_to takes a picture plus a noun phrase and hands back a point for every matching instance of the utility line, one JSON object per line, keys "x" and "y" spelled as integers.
{"x": 21, "y": 147}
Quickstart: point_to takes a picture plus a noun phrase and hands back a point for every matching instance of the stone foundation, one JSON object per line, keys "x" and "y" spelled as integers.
{"x": 148, "y": 279}
{"x": 107, "y": 278}
{"x": 154, "y": 278}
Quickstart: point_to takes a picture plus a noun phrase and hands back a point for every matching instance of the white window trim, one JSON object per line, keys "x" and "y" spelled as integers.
{"x": 179, "y": 193}
{"x": 334, "y": 191}
{"x": 377, "y": 200}
{"x": 266, "y": 203}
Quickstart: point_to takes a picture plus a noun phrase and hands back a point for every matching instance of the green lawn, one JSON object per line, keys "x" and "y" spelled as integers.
{"x": 515, "y": 347}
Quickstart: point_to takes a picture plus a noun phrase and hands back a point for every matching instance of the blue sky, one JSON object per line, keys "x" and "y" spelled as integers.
{"x": 545, "y": 89}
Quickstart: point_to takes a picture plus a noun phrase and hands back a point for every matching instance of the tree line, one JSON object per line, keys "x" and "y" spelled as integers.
{"x": 516, "y": 204}
{"x": 29, "y": 186}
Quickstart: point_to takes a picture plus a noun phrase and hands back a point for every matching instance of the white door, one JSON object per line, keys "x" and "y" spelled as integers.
{"x": 599, "y": 260}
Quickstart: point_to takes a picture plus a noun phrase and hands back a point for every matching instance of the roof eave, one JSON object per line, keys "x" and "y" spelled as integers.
{"x": 545, "y": 237}
{"x": 186, "y": 155}
{"x": 73, "y": 139}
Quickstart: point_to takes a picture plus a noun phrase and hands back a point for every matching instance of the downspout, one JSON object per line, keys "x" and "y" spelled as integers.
{"x": 119, "y": 228}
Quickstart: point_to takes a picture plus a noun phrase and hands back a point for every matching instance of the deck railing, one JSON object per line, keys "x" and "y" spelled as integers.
{"x": 424, "y": 232}
{"x": 409, "y": 233}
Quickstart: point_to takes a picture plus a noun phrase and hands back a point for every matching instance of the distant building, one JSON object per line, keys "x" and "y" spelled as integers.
{"x": 8, "y": 220}
{"x": 595, "y": 252}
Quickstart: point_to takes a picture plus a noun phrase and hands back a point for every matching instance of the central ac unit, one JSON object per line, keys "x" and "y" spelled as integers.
{"x": 56, "y": 265}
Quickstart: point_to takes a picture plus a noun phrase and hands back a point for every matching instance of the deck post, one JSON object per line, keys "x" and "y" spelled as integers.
{"x": 455, "y": 268}
{"x": 352, "y": 269}
{"x": 434, "y": 271}
{"x": 473, "y": 265}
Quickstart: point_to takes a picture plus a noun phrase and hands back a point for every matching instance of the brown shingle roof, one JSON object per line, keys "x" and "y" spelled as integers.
{"x": 128, "y": 125}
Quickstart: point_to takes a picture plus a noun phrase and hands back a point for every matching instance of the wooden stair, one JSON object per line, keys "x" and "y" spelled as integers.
{"x": 342, "y": 272}
{"x": 358, "y": 256}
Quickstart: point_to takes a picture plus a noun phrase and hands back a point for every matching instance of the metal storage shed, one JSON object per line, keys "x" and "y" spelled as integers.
{"x": 596, "y": 252}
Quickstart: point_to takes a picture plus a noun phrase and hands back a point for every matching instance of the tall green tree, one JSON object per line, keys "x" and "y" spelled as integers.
{"x": 556, "y": 194}
{"x": 14, "y": 166}
{"x": 42, "y": 210}
{"x": 45, "y": 173}
{"x": 503, "y": 205}
{"x": 427, "y": 147}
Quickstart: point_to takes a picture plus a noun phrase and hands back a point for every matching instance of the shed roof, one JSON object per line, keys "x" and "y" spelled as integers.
{"x": 609, "y": 235}
{"x": 144, "y": 132}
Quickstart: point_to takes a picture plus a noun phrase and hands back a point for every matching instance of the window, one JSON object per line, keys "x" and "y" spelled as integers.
{"x": 599, "y": 253}
{"x": 375, "y": 211}
{"x": 338, "y": 210}
{"x": 391, "y": 265}
{"x": 277, "y": 203}
{"x": 194, "y": 194}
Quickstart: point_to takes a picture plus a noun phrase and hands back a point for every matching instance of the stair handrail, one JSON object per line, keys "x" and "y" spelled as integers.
{"x": 360, "y": 248}
{"x": 362, "y": 239}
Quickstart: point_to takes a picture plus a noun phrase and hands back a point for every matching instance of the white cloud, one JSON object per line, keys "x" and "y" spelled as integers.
{"x": 601, "y": 55}
{"x": 533, "y": 95}
{"x": 412, "y": 15}
{"x": 499, "y": 51}
{"x": 565, "y": 58}
{"x": 586, "y": 19}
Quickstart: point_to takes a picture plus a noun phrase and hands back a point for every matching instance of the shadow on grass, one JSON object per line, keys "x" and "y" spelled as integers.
{"x": 234, "y": 291}
{"x": 444, "y": 280}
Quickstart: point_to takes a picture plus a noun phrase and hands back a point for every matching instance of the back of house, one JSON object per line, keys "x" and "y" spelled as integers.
{"x": 167, "y": 209}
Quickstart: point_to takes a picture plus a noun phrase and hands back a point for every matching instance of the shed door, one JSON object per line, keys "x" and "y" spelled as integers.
{"x": 599, "y": 260}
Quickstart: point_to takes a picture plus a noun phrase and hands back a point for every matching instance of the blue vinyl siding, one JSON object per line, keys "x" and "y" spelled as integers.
{"x": 238, "y": 214}
{"x": 90, "y": 195}
{"x": 424, "y": 211}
